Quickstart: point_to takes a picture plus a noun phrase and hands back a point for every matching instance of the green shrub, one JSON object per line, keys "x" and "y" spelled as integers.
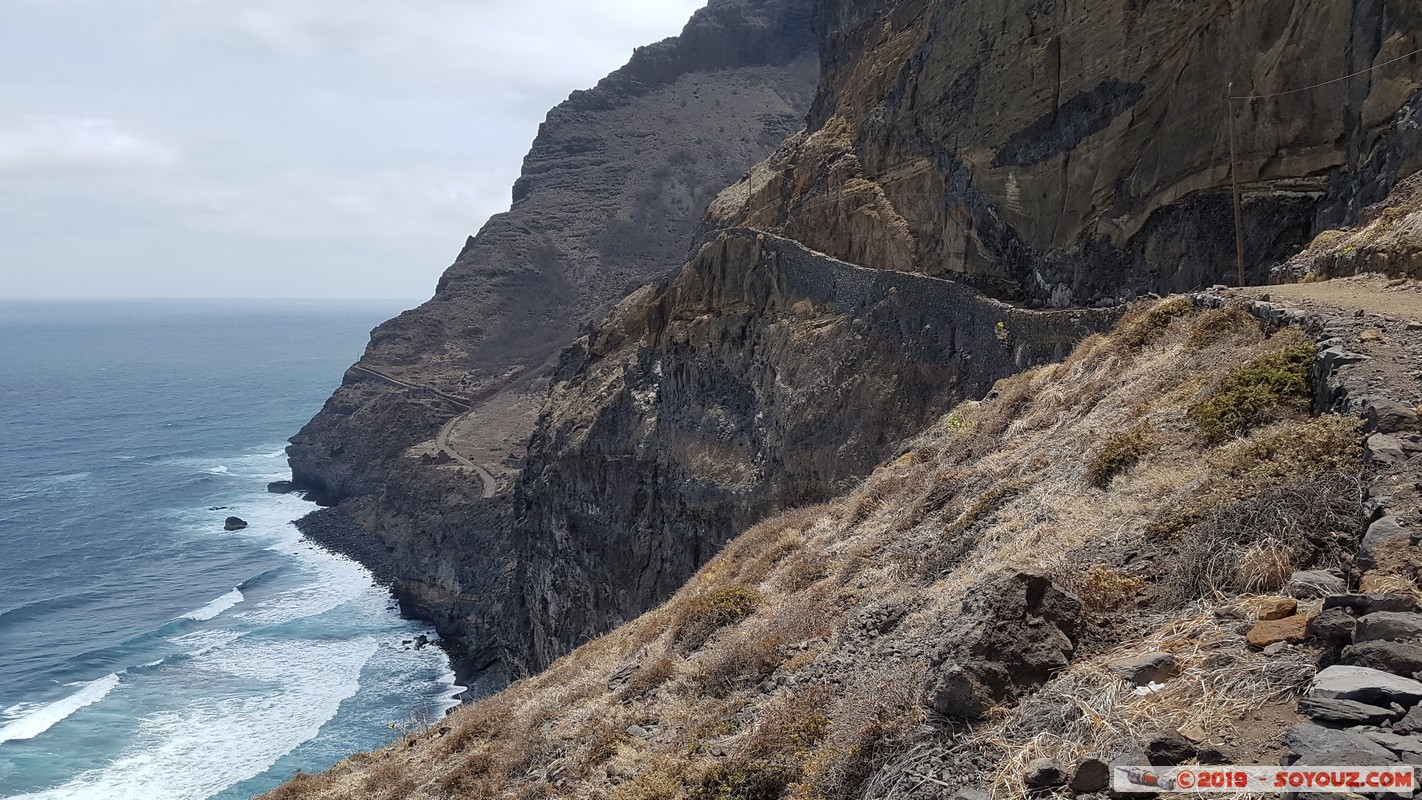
{"x": 1120, "y": 453}
{"x": 705, "y": 614}
{"x": 1143, "y": 329}
{"x": 744, "y": 780}
{"x": 1262, "y": 390}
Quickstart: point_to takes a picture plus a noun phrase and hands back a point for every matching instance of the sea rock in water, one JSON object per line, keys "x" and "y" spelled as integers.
{"x": 234, "y": 524}
{"x": 281, "y": 487}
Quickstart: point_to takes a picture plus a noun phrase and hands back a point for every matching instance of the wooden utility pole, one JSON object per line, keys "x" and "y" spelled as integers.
{"x": 1234, "y": 178}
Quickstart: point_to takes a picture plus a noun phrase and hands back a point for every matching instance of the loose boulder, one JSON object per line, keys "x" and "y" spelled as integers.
{"x": 1343, "y": 713}
{"x": 234, "y": 524}
{"x": 1334, "y": 626}
{"x": 1147, "y": 669}
{"x": 1363, "y": 604}
{"x": 1168, "y": 749}
{"x": 1389, "y": 416}
{"x": 1309, "y": 584}
{"x": 1270, "y": 631}
{"x": 1385, "y": 537}
{"x": 1309, "y": 740}
{"x": 1092, "y": 775}
{"x": 1043, "y": 773}
{"x": 1278, "y": 608}
{"x": 1389, "y": 626}
{"x": 1399, "y": 658}
{"x": 1014, "y": 633}
{"x": 1371, "y": 686}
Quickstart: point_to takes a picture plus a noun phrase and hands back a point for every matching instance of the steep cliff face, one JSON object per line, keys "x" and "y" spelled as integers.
{"x": 1069, "y": 152}
{"x": 435, "y": 417}
{"x": 1056, "y": 154}
{"x": 611, "y": 191}
{"x": 764, "y": 376}
{"x": 1048, "y": 152}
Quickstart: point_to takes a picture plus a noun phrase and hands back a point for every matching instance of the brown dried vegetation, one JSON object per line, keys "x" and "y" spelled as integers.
{"x": 794, "y": 663}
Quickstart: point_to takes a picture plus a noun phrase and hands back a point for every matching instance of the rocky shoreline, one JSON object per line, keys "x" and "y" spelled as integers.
{"x": 331, "y": 529}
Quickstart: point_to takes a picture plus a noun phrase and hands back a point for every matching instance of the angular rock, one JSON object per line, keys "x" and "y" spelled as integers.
{"x": 1013, "y": 634}
{"x": 1344, "y": 756}
{"x": 1385, "y": 450}
{"x": 1092, "y": 775}
{"x": 1384, "y": 536}
{"x": 1308, "y": 584}
{"x": 1364, "y": 604}
{"x": 1389, "y": 416}
{"x": 1343, "y": 713}
{"x": 1147, "y": 669}
{"x": 1269, "y": 631}
{"x": 1276, "y": 608}
{"x": 281, "y": 487}
{"x": 1169, "y": 748}
{"x": 1406, "y": 748}
{"x": 1399, "y": 658}
{"x": 1334, "y": 626}
{"x": 1411, "y": 723}
{"x": 1388, "y": 626}
{"x": 1213, "y": 755}
{"x": 234, "y": 524}
{"x": 1375, "y": 687}
{"x": 1309, "y": 740}
{"x": 1044, "y": 773}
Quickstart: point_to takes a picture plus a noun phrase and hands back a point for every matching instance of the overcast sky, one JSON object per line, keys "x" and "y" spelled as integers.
{"x": 277, "y": 148}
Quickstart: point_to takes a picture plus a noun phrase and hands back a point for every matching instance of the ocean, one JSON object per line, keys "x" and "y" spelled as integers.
{"x": 145, "y": 652}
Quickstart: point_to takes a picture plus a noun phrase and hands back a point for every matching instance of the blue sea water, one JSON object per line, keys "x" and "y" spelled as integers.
{"x": 144, "y": 652}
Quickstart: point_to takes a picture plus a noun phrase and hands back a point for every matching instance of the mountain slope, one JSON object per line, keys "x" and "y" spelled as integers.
{"x": 967, "y": 609}
{"x": 610, "y": 194}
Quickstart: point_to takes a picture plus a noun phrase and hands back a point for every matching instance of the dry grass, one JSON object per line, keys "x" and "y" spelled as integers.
{"x": 794, "y": 663}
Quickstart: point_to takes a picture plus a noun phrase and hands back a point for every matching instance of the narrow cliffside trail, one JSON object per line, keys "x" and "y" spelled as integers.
{"x": 442, "y": 440}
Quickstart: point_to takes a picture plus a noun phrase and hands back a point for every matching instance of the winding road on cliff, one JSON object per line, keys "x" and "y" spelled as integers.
{"x": 442, "y": 442}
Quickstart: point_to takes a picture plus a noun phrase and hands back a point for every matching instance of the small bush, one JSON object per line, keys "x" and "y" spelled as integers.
{"x": 1120, "y": 453}
{"x": 744, "y": 780}
{"x": 1105, "y": 589}
{"x": 1142, "y": 329}
{"x": 1262, "y": 390}
{"x": 705, "y": 614}
{"x": 792, "y": 727}
{"x": 649, "y": 677}
{"x": 740, "y": 661}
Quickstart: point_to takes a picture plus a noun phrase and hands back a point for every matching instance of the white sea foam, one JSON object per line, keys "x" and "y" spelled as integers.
{"x": 211, "y": 743}
{"x": 45, "y": 717}
{"x": 217, "y": 470}
{"x": 216, "y": 607}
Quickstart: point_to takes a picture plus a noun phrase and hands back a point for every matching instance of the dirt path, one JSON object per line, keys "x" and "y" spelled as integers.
{"x": 442, "y": 443}
{"x": 1372, "y": 294}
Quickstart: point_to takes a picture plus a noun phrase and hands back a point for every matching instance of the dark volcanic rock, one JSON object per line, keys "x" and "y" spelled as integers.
{"x": 734, "y": 390}
{"x": 1343, "y": 713}
{"x": 1169, "y": 748}
{"x": 1092, "y": 775}
{"x": 234, "y": 524}
{"x": 1044, "y": 773}
{"x": 1342, "y": 682}
{"x": 1399, "y": 658}
{"x": 1013, "y": 634}
{"x": 1389, "y": 626}
{"x": 1309, "y": 740}
{"x": 611, "y": 193}
{"x": 1334, "y": 626}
